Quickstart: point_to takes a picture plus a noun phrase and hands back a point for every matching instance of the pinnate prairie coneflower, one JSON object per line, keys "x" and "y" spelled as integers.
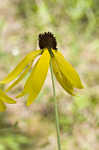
{"x": 63, "y": 70}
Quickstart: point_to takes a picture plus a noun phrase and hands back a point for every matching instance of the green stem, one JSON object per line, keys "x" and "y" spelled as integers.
{"x": 56, "y": 108}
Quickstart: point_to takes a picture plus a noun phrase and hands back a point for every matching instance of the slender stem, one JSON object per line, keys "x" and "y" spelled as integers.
{"x": 56, "y": 108}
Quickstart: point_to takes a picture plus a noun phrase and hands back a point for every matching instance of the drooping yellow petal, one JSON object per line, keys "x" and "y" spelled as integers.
{"x": 21, "y": 94}
{"x": 37, "y": 77}
{"x": 31, "y": 98}
{"x": 20, "y": 78}
{"x": 2, "y": 106}
{"x": 27, "y": 84}
{"x": 68, "y": 71}
{"x": 6, "y": 98}
{"x": 61, "y": 78}
{"x": 21, "y": 66}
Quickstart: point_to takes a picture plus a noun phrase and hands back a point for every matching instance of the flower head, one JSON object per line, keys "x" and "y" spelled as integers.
{"x": 64, "y": 72}
{"x": 47, "y": 40}
{"x": 5, "y": 99}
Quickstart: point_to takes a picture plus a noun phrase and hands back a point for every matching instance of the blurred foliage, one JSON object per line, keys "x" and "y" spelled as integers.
{"x": 82, "y": 15}
{"x": 14, "y": 141}
{"x": 11, "y": 137}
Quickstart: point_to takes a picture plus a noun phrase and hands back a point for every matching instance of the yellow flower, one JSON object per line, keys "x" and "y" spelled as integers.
{"x": 5, "y": 99}
{"x": 64, "y": 72}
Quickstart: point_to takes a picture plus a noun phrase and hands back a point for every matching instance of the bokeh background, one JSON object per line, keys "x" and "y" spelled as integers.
{"x": 75, "y": 24}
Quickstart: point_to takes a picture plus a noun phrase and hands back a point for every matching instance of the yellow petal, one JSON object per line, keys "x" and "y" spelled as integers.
{"x": 21, "y": 94}
{"x": 37, "y": 77}
{"x": 31, "y": 98}
{"x": 21, "y": 66}
{"x": 6, "y": 98}
{"x": 68, "y": 71}
{"x": 61, "y": 78}
{"x": 27, "y": 84}
{"x": 2, "y": 106}
{"x": 20, "y": 78}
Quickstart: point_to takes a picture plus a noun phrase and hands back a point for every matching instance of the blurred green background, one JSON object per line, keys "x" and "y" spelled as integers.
{"x": 75, "y": 24}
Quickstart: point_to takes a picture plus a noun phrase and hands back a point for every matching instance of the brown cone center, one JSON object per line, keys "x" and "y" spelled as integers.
{"x": 47, "y": 40}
